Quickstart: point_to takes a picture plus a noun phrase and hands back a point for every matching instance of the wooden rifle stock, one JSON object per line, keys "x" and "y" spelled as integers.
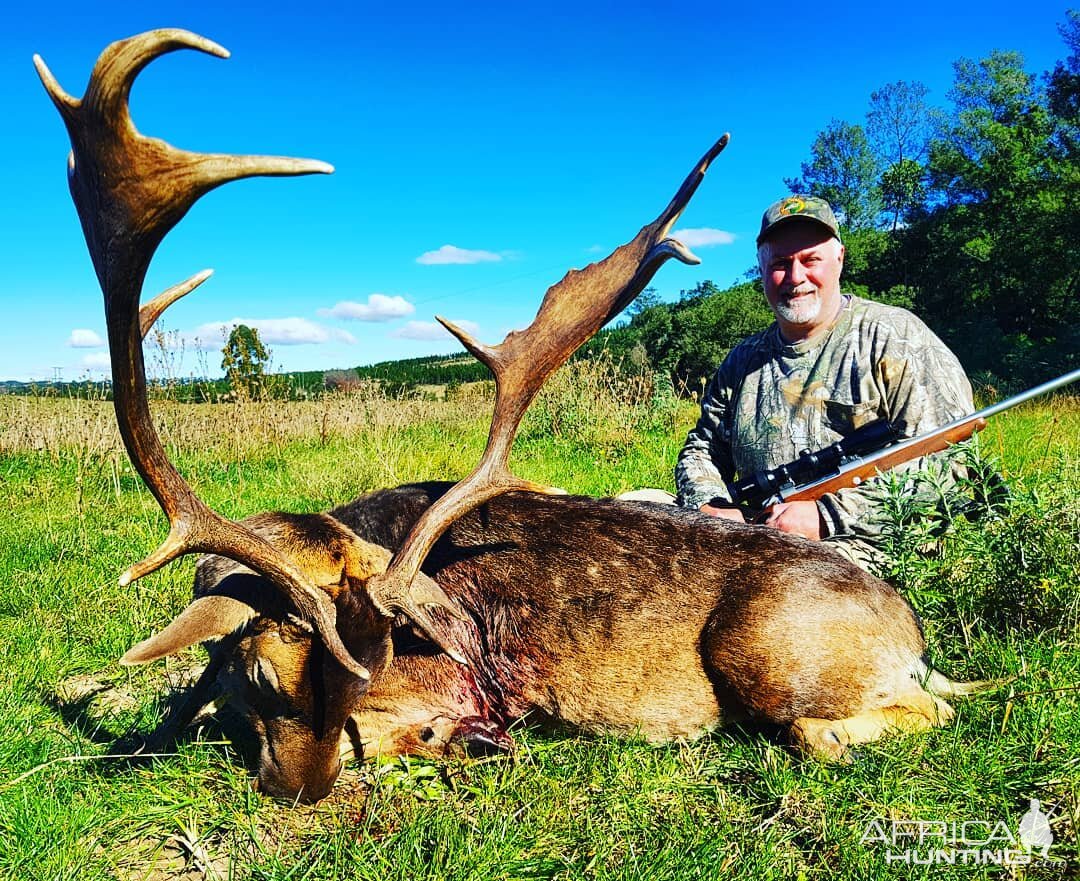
{"x": 865, "y": 469}
{"x": 761, "y": 491}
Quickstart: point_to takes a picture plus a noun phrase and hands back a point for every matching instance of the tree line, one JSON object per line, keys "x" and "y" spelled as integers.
{"x": 968, "y": 213}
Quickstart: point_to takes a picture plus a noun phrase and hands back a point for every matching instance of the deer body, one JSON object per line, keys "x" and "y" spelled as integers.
{"x": 578, "y": 611}
{"x": 620, "y": 618}
{"x": 628, "y": 618}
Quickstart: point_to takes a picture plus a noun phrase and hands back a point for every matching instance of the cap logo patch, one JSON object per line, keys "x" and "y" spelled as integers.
{"x": 794, "y": 205}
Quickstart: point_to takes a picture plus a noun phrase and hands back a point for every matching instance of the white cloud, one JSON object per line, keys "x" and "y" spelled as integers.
{"x": 273, "y": 331}
{"x": 703, "y": 237}
{"x": 379, "y": 307}
{"x": 452, "y": 254}
{"x": 85, "y": 339}
{"x": 97, "y": 361}
{"x": 431, "y": 330}
{"x": 594, "y": 249}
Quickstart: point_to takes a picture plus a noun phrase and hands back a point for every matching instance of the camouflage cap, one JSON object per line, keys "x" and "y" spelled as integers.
{"x": 798, "y": 207}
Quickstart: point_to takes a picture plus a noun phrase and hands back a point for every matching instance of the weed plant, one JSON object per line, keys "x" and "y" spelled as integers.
{"x": 997, "y": 594}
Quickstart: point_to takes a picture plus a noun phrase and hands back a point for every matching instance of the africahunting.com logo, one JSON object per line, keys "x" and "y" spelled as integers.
{"x": 965, "y": 842}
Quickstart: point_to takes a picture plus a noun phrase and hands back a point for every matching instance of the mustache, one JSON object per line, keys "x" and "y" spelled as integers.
{"x": 799, "y": 291}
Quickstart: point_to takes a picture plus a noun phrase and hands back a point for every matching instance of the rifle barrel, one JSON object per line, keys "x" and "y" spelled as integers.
{"x": 976, "y": 421}
{"x": 994, "y": 409}
{"x": 1045, "y": 388}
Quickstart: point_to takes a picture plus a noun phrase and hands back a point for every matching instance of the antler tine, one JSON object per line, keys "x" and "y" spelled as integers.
{"x": 151, "y": 312}
{"x": 689, "y": 186}
{"x": 134, "y": 189}
{"x": 571, "y": 312}
{"x": 129, "y": 191}
{"x": 63, "y": 101}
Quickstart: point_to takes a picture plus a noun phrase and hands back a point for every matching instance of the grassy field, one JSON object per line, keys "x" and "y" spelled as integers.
{"x": 999, "y": 599}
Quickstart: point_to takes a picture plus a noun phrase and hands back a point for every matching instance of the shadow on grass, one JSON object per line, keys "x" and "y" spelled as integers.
{"x": 190, "y": 710}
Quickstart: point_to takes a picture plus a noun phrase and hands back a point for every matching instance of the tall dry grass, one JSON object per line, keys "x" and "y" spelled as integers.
{"x": 595, "y": 401}
{"x": 602, "y": 402}
{"x": 329, "y": 449}
{"x": 73, "y": 427}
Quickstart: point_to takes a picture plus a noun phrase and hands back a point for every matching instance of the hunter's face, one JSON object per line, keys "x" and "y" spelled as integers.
{"x": 800, "y": 268}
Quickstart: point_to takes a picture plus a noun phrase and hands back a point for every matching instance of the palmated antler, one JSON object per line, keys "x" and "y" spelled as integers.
{"x": 130, "y": 190}
{"x": 571, "y": 312}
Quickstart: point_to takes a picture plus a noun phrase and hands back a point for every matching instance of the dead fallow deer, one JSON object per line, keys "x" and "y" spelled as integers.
{"x": 605, "y": 616}
{"x": 319, "y": 585}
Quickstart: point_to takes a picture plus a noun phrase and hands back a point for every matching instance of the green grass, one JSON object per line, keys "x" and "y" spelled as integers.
{"x": 1000, "y": 600}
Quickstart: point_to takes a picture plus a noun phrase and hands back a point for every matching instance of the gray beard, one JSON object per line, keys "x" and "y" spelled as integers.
{"x": 801, "y": 310}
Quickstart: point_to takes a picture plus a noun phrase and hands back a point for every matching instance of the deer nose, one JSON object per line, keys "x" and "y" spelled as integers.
{"x": 307, "y": 787}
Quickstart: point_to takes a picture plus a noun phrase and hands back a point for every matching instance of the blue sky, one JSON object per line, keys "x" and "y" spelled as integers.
{"x": 480, "y": 152}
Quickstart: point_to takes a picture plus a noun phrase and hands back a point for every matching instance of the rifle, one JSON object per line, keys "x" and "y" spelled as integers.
{"x": 866, "y": 452}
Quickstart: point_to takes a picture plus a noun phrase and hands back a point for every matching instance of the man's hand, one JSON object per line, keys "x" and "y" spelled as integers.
{"x": 798, "y": 518}
{"x": 727, "y": 513}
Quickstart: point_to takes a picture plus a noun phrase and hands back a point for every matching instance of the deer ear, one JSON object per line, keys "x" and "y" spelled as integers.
{"x": 208, "y": 617}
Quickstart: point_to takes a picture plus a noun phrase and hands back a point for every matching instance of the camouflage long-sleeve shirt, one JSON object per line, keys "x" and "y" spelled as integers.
{"x": 769, "y": 401}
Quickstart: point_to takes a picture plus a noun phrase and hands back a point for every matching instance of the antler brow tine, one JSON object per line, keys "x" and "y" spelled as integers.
{"x": 129, "y": 191}
{"x": 151, "y": 312}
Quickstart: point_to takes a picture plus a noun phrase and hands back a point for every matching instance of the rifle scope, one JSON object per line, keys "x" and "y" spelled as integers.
{"x": 810, "y": 466}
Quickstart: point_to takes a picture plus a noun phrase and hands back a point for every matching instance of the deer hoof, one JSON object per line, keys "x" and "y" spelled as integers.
{"x": 822, "y": 739}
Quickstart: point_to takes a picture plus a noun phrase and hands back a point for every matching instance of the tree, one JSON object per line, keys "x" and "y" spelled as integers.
{"x": 844, "y": 171}
{"x": 898, "y": 128}
{"x": 898, "y": 121}
{"x": 645, "y": 300}
{"x": 903, "y": 189}
{"x": 1063, "y": 87}
{"x": 996, "y": 255}
{"x": 244, "y": 360}
{"x": 993, "y": 100}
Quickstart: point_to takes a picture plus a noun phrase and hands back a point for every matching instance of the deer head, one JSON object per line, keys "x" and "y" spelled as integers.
{"x": 267, "y": 662}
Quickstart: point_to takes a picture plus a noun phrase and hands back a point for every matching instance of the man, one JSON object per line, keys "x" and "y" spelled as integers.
{"x": 829, "y": 364}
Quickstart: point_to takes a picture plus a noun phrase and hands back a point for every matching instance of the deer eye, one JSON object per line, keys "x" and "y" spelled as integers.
{"x": 295, "y": 629}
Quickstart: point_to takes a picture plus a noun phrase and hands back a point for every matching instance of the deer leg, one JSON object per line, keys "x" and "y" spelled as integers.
{"x": 829, "y": 739}
{"x": 478, "y": 736}
{"x": 404, "y": 731}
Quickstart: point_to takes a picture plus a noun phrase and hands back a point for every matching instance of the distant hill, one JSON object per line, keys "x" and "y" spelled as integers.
{"x": 80, "y": 388}
{"x": 429, "y": 370}
{"x": 11, "y": 387}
